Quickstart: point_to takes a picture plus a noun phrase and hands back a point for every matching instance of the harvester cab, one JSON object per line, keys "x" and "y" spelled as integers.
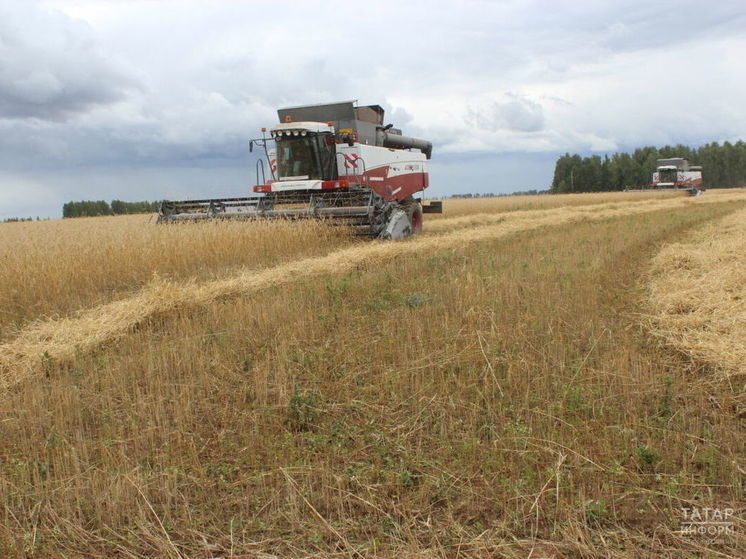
{"x": 336, "y": 161}
{"x": 304, "y": 153}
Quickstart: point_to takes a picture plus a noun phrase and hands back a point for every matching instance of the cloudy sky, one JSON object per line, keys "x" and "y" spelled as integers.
{"x": 149, "y": 99}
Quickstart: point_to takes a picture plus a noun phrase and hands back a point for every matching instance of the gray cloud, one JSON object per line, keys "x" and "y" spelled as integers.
{"x": 516, "y": 113}
{"x": 50, "y": 68}
{"x": 647, "y": 25}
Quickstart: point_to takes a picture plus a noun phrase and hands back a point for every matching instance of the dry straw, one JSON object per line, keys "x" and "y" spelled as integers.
{"x": 61, "y": 339}
{"x": 698, "y": 294}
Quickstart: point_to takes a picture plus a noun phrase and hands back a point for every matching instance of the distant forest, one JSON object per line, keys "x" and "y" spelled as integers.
{"x": 723, "y": 166}
{"x": 92, "y": 208}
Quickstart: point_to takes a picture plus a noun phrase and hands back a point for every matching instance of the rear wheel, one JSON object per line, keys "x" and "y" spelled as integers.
{"x": 415, "y": 217}
{"x": 414, "y": 213}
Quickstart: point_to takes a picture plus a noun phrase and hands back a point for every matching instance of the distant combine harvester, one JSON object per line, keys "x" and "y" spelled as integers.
{"x": 676, "y": 173}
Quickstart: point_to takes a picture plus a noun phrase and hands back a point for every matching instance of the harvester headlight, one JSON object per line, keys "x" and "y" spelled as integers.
{"x": 296, "y": 133}
{"x": 303, "y": 133}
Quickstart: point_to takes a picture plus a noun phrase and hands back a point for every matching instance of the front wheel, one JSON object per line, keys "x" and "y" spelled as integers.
{"x": 398, "y": 220}
{"x": 398, "y": 226}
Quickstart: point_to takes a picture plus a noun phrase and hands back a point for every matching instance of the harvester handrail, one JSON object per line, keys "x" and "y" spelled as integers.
{"x": 260, "y": 163}
{"x": 365, "y": 181}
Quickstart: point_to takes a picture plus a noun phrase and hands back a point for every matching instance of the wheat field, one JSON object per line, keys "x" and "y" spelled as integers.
{"x": 494, "y": 387}
{"x": 52, "y": 268}
{"x": 82, "y": 262}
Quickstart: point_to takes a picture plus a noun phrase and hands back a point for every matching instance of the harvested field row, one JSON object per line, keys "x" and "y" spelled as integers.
{"x": 596, "y": 210}
{"x": 62, "y": 339}
{"x": 698, "y": 294}
{"x": 459, "y": 207}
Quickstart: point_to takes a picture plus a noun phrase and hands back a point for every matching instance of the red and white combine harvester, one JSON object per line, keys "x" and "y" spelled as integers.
{"x": 336, "y": 161}
{"x": 677, "y": 174}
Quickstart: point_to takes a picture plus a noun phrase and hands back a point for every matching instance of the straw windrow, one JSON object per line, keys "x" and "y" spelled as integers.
{"x": 698, "y": 295}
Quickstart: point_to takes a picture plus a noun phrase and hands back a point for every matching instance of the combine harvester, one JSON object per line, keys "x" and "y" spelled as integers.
{"x": 676, "y": 174}
{"x": 336, "y": 162}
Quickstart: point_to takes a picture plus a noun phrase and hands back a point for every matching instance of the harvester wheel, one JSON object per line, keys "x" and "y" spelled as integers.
{"x": 398, "y": 226}
{"x": 415, "y": 217}
{"x": 414, "y": 213}
{"x": 398, "y": 220}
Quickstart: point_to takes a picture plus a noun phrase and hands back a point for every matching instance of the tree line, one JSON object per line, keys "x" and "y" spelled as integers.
{"x": 92, "y": 208}
{"x": 532, "y": 192}
{"x": 19, "y": 219}
{"x": 723, "y": 166}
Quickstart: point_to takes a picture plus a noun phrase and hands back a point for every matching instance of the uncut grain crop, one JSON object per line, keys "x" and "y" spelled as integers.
{"x": 52, "y": 268}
